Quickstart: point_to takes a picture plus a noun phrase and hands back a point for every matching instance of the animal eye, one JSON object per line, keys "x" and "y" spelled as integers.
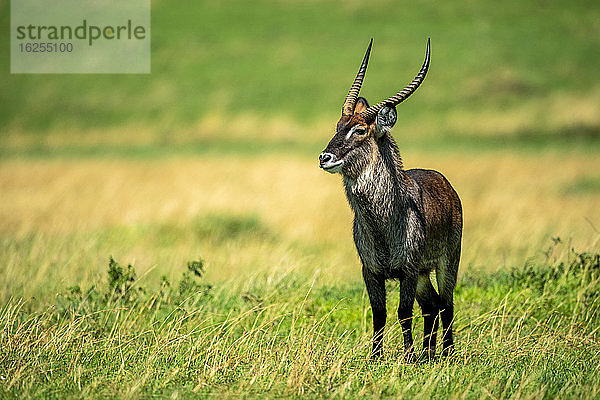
{"x": 360, "y": 131}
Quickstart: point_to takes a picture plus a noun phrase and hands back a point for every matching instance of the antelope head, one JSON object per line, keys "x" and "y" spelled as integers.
{"x": 361, "y": 126}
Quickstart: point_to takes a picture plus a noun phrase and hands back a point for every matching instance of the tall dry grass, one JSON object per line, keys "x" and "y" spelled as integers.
{"x": 146, "y": 210}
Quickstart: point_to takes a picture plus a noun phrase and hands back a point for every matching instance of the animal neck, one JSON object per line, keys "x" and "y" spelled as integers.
{"x": 375, "y": 188}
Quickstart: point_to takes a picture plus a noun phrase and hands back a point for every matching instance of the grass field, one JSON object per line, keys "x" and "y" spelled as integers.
{"x": 170, "y": 235}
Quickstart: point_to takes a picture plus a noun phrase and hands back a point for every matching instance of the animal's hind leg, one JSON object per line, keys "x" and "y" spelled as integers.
{"x": 446, "y": 274}
{"x": 429, "y": 301}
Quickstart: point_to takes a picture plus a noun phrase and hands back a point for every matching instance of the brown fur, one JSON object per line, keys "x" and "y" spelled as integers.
{"x": 407, "y": 223}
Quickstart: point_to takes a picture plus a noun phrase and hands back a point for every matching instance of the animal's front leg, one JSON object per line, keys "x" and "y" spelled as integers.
{"x": 408, "y": 288}
{"x": 376, "y": 290}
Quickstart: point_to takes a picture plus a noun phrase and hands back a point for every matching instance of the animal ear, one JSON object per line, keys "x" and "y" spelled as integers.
{"x": 385, "y": 120}
{"x": 361, "y": 105}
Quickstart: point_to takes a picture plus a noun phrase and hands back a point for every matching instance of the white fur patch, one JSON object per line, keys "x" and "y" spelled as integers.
{"x": 352, "y": 130}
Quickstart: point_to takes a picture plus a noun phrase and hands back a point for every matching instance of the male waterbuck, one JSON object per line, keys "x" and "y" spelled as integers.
{"x": 407, "y": 223}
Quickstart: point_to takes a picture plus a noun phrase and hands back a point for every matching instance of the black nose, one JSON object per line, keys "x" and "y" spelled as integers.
{"x": 326, "y": 157}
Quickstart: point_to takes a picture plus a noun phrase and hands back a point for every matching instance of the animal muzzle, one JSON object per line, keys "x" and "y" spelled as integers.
{"x": 330, "y": 163}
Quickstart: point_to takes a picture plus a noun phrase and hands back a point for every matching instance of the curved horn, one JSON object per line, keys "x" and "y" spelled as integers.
{"x": 370, "y": 113}
{"x": 350, "y": 102}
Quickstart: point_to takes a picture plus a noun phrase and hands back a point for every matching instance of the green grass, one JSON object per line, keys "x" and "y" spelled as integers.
{"x": 576, "y": 140}
{"x": 529, "y": 332}
{"x": 169, "y": 235}
{"x": 584, "y": 185}
{"x": 298, "y": 60}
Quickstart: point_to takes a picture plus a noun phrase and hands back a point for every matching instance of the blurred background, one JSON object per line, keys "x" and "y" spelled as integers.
{"x": 214, "y": 154}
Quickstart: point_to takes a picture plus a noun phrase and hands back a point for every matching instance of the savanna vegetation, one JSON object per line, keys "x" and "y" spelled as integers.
{"x": 170, "y": 234}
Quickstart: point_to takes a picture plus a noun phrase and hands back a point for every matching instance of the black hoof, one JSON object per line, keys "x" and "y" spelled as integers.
{"x": 409, "y": 356}
{"x": 448, "y": 351}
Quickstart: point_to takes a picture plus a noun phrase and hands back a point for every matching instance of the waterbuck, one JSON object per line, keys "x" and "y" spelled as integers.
{"x": 407, "y": 223}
